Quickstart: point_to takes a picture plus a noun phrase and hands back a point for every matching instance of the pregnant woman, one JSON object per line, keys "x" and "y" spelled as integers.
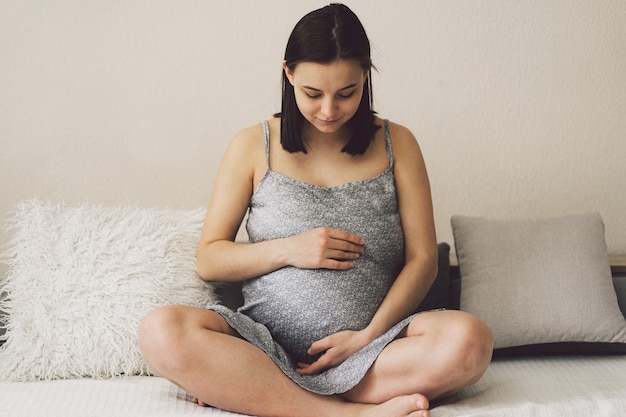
{"x": 342, "y": 250}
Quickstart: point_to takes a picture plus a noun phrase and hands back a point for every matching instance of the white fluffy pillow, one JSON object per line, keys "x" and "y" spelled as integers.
{"x": 81, "y": 278}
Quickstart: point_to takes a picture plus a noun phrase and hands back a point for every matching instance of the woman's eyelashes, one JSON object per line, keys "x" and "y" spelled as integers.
{"x": 348, "y": 95}
{"x": 341, "y": 96}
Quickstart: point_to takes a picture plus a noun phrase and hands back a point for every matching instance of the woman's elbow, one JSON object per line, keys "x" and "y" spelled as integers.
{"x": 203, "y": 265}
{"x": 203, "y": 272}
{"x": 429, "y": 260}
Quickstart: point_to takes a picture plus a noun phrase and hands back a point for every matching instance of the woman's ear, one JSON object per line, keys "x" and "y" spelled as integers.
{"x": 288, "y": 72}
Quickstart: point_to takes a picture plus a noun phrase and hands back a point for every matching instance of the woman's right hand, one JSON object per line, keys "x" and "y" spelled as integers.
{"x": 324, "y": 248}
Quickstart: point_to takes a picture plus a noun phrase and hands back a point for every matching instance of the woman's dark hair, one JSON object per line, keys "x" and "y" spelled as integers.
{"x": 324, "y": 36}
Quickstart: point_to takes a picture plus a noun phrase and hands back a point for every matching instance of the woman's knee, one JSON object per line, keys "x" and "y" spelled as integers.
{"x": 464, "y": 340}
{"x": 158, "y": 330}
{"x": 169, "y": 332}
{"x": 475, "y": 344}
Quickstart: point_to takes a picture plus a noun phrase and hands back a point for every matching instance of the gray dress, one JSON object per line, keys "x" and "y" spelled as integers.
{"x": 288, "y": 309}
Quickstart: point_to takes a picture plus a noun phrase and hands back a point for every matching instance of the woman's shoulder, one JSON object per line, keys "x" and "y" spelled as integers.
{"x": 401, "y": 136}
{"x": 254, "y": 134}
{"x": 246, "y": 148}
{"x": 249, "y": 134}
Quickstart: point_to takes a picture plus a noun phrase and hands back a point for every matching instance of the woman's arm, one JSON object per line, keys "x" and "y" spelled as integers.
{"x": 220, "y": 258}
{"x": 416, "y": 214}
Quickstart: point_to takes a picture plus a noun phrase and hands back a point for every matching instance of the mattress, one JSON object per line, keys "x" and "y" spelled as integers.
{"x": 541, "y": 387}
{"x": 135, "y": 396}
{"x": 544, "y": 387}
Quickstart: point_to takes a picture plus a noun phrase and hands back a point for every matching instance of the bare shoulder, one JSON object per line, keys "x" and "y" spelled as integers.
{"x": 244, "y": 159}
{"x": 247, "y": 147}
{"x": 249, "y": 138}
{"x": 403, "y": 141}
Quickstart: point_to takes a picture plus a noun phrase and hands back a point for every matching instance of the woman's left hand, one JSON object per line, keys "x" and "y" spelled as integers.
{"x": 336, "y": 347}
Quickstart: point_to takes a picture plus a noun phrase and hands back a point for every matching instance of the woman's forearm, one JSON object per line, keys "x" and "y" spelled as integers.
{"x": 322, "y": 247}
{"x": 228, "y": 261}
{"x": 405, "y": 295}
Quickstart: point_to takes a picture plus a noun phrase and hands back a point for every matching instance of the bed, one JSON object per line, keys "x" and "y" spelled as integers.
{"x": 546, "y": 386}
{"x": 80, "y": 278}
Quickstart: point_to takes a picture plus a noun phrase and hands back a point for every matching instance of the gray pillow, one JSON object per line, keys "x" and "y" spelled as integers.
{"x": 538, "y": 281}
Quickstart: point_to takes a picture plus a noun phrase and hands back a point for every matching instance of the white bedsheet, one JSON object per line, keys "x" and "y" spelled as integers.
{"x": 545, "y": 387}
{"x": 119, "y": 397}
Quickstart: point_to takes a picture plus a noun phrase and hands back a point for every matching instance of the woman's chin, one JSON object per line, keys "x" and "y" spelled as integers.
{"x": 328, "y": 126}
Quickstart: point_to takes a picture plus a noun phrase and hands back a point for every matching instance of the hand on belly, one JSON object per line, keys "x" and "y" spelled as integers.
{"x": 333, "y": 350}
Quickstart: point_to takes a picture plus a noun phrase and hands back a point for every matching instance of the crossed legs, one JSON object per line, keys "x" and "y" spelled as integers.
{"x": 437, "y": 354}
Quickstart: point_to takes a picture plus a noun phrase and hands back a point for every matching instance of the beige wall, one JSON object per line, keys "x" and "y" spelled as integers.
{"x": 520, "y": 106}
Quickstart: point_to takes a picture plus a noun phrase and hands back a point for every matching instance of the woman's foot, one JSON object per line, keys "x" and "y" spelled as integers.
{"x": 405, "y": 406}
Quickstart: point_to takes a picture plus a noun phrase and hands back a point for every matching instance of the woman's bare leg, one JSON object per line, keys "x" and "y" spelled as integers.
{"x": 197, "y": 350}
{"x": 438, "y": 353}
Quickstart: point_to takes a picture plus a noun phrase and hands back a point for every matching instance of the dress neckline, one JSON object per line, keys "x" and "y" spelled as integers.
{"x": 269, "y": 171}
{"x": 323, "y": 187}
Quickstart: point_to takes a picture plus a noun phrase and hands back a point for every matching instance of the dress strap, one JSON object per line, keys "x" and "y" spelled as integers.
{"x": 388, "y": 143}
{"x": 266, "y": 138}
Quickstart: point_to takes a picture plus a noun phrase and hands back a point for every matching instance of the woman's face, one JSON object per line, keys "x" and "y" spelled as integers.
{"x": 327, "y": 95}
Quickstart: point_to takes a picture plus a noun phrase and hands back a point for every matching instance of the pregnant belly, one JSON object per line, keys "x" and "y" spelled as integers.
{"x": 302, "y": 306}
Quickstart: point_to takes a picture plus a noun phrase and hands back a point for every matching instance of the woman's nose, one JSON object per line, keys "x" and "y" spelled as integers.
{"x": 329, "y": 107}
